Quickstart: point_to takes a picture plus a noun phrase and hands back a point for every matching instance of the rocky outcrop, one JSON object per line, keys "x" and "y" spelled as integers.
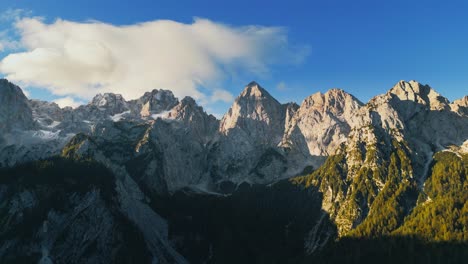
{"x": 15, "y": 112}
{"x": 191, "y": 115}
{"x": 255, "y": 114}
{"x": 460, "y": 106}
{"x": 319, "y": 126}
{"x": 162, "y": 155}
{"x": 154, "y": 103}
{"x": 246, "y": 149}
{"x": 422, "y": 95}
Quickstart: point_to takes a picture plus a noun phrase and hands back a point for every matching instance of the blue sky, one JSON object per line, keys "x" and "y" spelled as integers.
{"x": 363, "y": 47}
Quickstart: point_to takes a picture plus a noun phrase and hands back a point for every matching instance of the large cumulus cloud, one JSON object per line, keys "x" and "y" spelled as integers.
{"x": 82, "y": 59}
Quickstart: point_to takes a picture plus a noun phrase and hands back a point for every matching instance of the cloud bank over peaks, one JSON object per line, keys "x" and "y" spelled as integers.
{"x": 81, "y": 59}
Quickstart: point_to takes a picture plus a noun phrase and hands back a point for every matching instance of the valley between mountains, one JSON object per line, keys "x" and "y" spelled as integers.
{"x": 158, "y": 180}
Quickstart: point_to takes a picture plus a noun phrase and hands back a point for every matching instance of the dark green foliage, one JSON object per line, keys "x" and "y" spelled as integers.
{"x": 448, "y": 176}
{"x": 372, "y": 209}
{"x": 442, "y": 214}
{"x": 393, "y": 202}
{"x": 332, "y": 173}
{"x": 73, "y": 145}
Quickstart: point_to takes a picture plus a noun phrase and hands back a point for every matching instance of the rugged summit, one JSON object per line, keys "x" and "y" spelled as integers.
{"x": 154, "y": 103}
{"x": 15, "y": 112}
{"x": 460, "y": 106}
{"x": 420, "y": 94}
{"x": 256, "y": 114}
{"x": 320, "y": 125}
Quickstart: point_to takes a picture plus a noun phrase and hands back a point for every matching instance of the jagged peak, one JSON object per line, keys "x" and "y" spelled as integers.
{"x": 460, "y": 106}
{"x": 418, "y": 93}
{"x": 461, "y": 101}
{"x": 253, "y": 89}
{"x": 411, "y": 87}
{"x": 189, "y": 111}
{"x": 187, "y": 104}
{"x": 5, "y": 84}
{"x": 103, "y": 99}
{"x": 113, "y": 95}
{"x": 15, "y": 111}
{"x": 340, "y": 93}
{"x": 332, "y": 97}
{"x": 187, "y": 100}
{"x": 156, "y": 92}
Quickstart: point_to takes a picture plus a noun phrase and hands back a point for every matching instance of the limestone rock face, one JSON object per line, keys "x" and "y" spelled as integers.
{"x": 15, "y": 112}
{"x": 193, "y": 116}
{"x": 246, "y": 149}
{"x": 420, "y": 94}
{"x": 164, "y": 155}
{"x": 257, "y": 114}
{"x": 111, "y": 103}
{"x": 154, "y": 102}
{"x": 460, "y": 106}
{"x": 45, "y": 113}
{"x": 320, "y": 125}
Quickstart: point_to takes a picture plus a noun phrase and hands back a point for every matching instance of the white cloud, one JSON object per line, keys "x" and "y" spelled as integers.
{"x": 82, "y": 59}
{"x": 14, "y": 14}
{"x": 67, "y": 101}
{"x": 222, "y": 95}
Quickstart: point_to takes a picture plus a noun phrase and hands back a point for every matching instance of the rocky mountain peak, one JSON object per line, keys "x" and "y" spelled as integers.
{"x": 15, "y": 111}
{"x": 254, "y": 102}
{"x": 420, "y": 94}
{"x": 186, "y": 110}
{"x": 107, "y": 99}
{"x": 188, "y": 101}
{"x": 107, "y": 103}
{"x": 202, "y": 125}
{"x": 46, "y": 112}
{"x": 462, "y": 101}
{"x": 155, "y": 102}
{"x": 188, "y": 107}
{"x": 255, "y": 112}
{"x": 320, "y": 125}
{"x": 253, "y": 89}
{"x": 334, "y": 100}
{"x": 460, "y": 106}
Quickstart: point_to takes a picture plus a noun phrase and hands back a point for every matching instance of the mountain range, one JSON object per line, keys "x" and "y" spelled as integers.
{"x": 158, "y": 180}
